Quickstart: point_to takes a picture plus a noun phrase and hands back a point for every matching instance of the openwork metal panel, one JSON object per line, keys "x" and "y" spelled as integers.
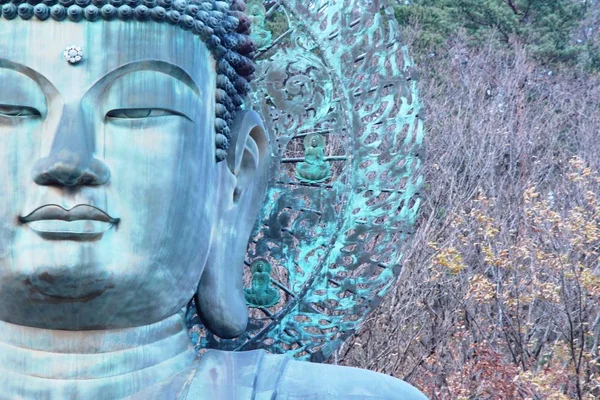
{"x": 335, "y": 87}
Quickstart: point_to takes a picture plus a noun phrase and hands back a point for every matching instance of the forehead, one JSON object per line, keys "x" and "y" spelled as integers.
{"x": 107, "y": 46}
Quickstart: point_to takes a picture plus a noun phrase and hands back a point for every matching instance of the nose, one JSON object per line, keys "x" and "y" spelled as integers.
{"x": 71, "y": 161}
{"x": 70, "y": 169}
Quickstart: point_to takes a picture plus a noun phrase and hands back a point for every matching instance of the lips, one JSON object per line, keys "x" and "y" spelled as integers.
{"x": 82, "y": 222}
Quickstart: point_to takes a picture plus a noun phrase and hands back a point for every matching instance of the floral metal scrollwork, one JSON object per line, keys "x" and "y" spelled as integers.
{"x": 337, "y": 211}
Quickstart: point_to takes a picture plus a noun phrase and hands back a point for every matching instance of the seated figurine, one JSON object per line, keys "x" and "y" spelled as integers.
{"x": 313, "y": 169}
{"x": 130, "y": 188}
{"x": 261, "y": 293}
{"x": 256, "y": 13}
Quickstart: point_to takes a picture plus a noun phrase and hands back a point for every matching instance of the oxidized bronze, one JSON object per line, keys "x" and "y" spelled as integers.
{"x": 117, "y": 210}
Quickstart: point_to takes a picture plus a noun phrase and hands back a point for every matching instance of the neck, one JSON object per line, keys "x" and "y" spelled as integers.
{"x": 110, "y": 364}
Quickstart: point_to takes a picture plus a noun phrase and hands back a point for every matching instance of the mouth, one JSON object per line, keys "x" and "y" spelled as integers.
{"x": 82, "y": 222}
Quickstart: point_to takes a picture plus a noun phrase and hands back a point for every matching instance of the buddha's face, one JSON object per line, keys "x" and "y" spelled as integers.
{"x": 125, "y": 141}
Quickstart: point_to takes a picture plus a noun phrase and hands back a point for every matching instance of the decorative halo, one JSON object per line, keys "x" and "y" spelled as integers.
{"x": 333, "y": 242}
{"x": 73, "y": 54}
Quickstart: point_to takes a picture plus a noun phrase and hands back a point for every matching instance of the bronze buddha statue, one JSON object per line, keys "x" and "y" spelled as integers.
{"x": 132, "y": 181}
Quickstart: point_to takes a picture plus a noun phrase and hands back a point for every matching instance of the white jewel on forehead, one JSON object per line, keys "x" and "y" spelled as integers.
{"x": 73, "y": 54}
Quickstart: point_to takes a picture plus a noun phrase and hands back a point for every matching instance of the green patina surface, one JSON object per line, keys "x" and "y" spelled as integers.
{"x": 257, "y": 13}
{"x": 261, "y": 293}
{"x": 338, "y": 93}
{"x": 314, "y": 169}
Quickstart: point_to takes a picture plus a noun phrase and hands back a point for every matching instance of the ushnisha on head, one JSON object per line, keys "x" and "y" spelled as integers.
{"x": 221, "y": 25}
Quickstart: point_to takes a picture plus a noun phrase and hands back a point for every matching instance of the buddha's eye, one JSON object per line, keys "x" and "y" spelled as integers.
{"x": 136, "y": 113}
{"x": 18, "y": 111}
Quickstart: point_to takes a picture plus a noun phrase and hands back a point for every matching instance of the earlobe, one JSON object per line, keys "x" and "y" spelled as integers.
{"x": 220, "y": 298}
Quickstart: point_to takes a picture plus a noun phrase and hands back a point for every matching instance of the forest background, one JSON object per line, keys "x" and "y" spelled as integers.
{"x": 499, "y": 297}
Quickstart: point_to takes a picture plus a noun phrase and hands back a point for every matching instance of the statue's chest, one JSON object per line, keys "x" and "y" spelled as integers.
{"x": 223, "y": 375}
{"x": 237, "y": 375}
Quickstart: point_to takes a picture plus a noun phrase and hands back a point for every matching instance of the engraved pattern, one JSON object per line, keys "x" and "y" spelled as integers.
{"x": 335, "y": 246}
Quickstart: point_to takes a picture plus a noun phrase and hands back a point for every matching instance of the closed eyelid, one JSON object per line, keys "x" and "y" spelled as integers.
{"x": 139, "y": 113}
{"x": 146, "y": 89}
{"x": 8, "y": 110}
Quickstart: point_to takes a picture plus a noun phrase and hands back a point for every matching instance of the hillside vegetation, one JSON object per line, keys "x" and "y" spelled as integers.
{"x": 499, "y": 297}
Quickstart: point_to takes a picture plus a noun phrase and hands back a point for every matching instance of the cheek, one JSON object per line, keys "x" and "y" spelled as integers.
{"x": 162, "y": 186}
{"x": 149, "y": 161}
{"x": 19, "y": 150}
{"x": 194, "y": 195}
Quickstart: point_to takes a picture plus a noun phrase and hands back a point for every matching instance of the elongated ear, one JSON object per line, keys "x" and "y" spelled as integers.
{"x": 220, "y": 297}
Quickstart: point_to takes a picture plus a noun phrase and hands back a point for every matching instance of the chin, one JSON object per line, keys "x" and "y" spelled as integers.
{"x": 86, "y": 302}
{"x": 75, "y": 285}
{"x": 72, "y": 283}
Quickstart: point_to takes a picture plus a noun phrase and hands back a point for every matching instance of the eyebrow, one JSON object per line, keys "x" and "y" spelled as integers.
{"x": 150, "y": 65}
{"x": 45, "y": 85}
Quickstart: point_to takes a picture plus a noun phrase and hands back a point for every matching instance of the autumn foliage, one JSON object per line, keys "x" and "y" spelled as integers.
{"x": 499, "y": 297}
{"x": 527, "y": 318}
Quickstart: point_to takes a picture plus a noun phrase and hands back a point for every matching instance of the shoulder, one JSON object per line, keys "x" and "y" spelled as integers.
{"x": 304, "y": 380}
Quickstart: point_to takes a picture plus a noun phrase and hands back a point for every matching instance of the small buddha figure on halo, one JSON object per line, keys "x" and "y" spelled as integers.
{"x": 261, "y": 293}
{"x": 314, "y": 168}
{"x": 256, "y": 12}
{"x": 132, "y": 183}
